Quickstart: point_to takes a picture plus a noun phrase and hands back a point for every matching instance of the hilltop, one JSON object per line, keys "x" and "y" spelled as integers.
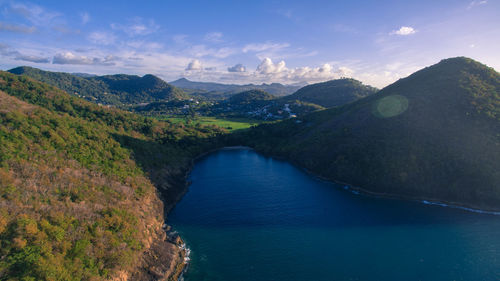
{"x": 433, "y": 135}
{"x": 118, "y": 90}
{"x": 332, "y": 93}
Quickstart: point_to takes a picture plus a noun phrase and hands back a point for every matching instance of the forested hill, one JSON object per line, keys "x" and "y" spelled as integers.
{"x": 77, "y": 183}
{"x": 433, "y": 135}
{"x": 332, "y": 93}
{"x": 119, "y": 89}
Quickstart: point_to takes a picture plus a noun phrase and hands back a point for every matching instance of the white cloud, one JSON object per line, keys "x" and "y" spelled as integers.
{"x": 214, "y": 37}
{"x": 237, "y": 68}
{"x": 345, "y": 71}
{"x": 85, "y": 17}
{"x": 268, "y": 71}
{"x": 476, "y": 3}
{"x": 268, "y": 67}
{"x": 101, "y": 38}
{"x": 279, "y": 72}
{"x": 404, "y": 30}
{"x": 137, "y": 27}
{"x": 16, "y": 28}
{"x": 194, "y": 65}
{"x": 70, "y": 58}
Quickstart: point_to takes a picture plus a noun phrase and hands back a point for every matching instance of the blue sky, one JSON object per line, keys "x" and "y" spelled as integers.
{"x": 255, "y": 41}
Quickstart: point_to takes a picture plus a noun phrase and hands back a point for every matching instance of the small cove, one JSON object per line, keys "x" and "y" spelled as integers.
{"x": 249, "y": 217}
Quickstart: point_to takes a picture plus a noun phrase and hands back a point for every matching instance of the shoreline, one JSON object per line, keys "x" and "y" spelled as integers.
{"x": 171, "y": 235}
{"x": 182, "y": 266}
{"x": 365, "y": 192}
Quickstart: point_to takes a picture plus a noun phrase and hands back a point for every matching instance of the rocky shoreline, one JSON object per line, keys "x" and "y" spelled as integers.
{"x": 168, "y": 256}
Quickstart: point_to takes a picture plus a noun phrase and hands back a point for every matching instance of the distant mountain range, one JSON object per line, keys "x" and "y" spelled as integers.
{"x": 221, "y": 91}
{"x": 151, "y": 93}
{"x": 119, "y": 89}
{"x": 434, "y": 135}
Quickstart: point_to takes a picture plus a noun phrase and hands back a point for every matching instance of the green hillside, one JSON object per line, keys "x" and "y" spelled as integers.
{"x": 332, "y": 93}
{"x": 116, "y": 90}
{"x": 433, "y": 135}
{"x": 77, "y": 182}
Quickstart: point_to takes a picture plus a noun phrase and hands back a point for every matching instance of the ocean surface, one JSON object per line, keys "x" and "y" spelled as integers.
{"x": 249, "y": 217}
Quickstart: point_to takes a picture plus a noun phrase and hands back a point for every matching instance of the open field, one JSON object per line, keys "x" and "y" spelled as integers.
{"x": 231, "y": 124}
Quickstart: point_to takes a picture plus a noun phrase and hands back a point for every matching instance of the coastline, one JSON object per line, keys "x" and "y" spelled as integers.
{"x": 170, "y": 235}
{"x": 365, "y": 192}
{"x": 181, "y": 264}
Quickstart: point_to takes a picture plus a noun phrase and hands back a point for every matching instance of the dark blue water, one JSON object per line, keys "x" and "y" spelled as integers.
{"x": 248, "y": 217}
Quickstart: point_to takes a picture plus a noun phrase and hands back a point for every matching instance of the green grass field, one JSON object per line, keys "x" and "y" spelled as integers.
{"x": 232, "y": 124}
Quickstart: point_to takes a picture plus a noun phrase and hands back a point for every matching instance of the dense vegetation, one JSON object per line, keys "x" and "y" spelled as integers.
{"x": 115, "y": 90}
{"x": 222, "y": 91}
{"x": 77, "y": 194}
{"x": 150, "y": 96}
{"x": 433, "y": 135}
{"x": 77, "y": 180}
{"x": 332, "y": 93}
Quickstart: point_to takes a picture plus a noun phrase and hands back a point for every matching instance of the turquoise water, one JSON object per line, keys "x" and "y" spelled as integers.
{"x": 249, "y": 217}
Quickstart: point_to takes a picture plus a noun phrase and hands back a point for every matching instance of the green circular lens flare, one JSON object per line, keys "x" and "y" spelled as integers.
{"x": 391, "y": 106}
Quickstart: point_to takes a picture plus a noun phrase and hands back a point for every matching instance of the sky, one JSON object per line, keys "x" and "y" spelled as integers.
{"x": 290, "y": 42}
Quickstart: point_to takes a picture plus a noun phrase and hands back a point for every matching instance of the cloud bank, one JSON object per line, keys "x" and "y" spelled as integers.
{"x": 268, "y": 71}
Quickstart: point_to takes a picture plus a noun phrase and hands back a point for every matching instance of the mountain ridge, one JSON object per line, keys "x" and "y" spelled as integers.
{"x": 332, "y": 93}
{"x": 118, "y": 89}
